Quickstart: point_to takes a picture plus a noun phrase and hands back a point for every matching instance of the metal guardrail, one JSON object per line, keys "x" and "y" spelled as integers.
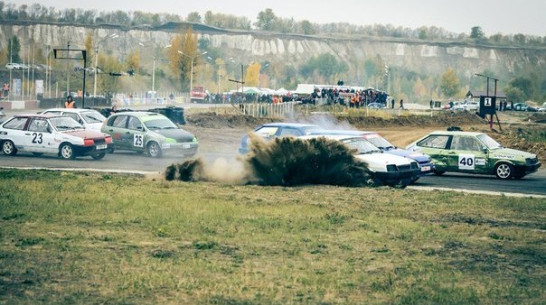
{"x": 268, "y": 110}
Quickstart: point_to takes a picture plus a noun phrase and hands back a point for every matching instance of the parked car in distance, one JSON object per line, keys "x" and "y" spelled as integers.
{"x": 475, "y": 153}
{"x": 425, "y": 163}
{"x": 542, "y": 108}
{"x": 198, "y": 94}
{"x": 13, "y": 65}
{"x": 52, "y": 134}
{"x": 89, "y": 118}
{"x": 149, "y": 132}
{"x": 376, "y": 106}
{"x": 386, "y": 169}
{"x": 275, "y": 130}
{"x": 520, "y": 107}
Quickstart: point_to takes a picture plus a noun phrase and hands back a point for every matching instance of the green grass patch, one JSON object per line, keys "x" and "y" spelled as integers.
{"x": 68, "y": 238}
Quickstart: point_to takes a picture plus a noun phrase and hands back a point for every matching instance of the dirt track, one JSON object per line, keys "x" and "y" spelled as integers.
{"x": 222, "y": 133}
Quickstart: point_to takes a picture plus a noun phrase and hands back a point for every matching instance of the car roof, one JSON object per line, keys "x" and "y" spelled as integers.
{"x": 341, "y": 132}
{"x": 36, "y": 115}
{"x": 69, "y": 109}
{"x": 456, "y": 133}
{"x": 138, "y": 113}
{"x": 282, "y": 124}
{"x": 331, "y": 137}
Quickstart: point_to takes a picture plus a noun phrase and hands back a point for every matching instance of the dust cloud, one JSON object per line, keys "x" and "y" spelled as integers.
{"x": 281, "y": 162}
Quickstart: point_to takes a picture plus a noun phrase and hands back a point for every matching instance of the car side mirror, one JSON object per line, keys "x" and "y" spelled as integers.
{"x": 140, "y": 128}
{"x": 484, "y": 150}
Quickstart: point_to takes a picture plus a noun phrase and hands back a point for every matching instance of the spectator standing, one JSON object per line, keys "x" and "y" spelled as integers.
{"x": 69, "y": 102}
{"x": 431, "y": 104}
{"x": 402, "y": 104}
{"x": 392, "y": 103}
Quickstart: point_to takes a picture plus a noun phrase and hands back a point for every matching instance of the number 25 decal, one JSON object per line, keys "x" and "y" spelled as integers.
{"x": 138, "y": 140}
{"x": 37, "y": 138}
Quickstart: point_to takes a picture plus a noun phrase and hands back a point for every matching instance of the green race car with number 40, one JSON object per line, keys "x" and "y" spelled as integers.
{"x": 150, "y": 133}
{"x": 474, "y": 153}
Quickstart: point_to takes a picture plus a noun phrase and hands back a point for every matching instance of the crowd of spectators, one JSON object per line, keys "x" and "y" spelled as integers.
{"x": 350, "y": 97}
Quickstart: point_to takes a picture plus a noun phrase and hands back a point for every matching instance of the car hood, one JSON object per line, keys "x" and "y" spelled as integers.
{"x": 380, "y": 159}
{"x": 509, "y": 153}
{"x": 180, "y": 135}
{"x": 419, "y": 157}
{"x": 84, "y": 134}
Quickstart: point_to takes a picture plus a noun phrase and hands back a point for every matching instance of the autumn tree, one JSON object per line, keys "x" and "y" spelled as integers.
{"x": 183, "y": 50}
{"x": 449, "y": 83}
{"x": 477, "y": 33}
{"x": 252, "y": 75}
{"x": 14, "y": 47}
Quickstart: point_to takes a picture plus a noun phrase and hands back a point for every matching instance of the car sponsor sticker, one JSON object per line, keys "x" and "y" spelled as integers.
{"x": 479, "y": 161}
{"x": 138, "y": 140}
{"x": 466, "y": 161}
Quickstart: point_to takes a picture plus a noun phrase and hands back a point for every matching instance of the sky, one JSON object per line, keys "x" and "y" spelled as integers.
{"x": 493, "y": 16}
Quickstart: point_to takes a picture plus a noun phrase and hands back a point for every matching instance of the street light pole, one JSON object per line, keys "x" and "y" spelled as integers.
{"x": 191, "y": 68}
{"x": 97, "y": 60}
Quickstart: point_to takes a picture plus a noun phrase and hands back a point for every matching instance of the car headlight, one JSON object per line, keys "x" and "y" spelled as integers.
{"x": 391, "y": 168}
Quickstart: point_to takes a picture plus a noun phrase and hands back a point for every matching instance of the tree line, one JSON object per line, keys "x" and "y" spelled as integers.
{"x": 266, "y": 20}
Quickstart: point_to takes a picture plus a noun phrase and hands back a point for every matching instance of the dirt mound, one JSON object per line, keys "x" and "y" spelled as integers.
{"x": 537, "y": 118}
{"x": 438, "y": 119}
{"x": 214, "y": 120}
{"x": 443, "y": 119}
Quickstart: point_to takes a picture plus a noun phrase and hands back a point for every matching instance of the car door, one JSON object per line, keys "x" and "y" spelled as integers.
{"x": 40, "y": 134}
{"x": 466, "y": 154}
{"x": 435, "y": 147}
{"x": 134, "y": 136}
{"x": 116, "y": 126}
{"x": 15, "y": 130}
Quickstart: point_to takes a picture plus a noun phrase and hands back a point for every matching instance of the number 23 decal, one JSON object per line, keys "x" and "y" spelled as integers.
{"x": 37, "y": 138}
{"x": 138, "y": 140}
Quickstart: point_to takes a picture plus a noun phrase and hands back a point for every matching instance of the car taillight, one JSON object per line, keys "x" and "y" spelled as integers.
{"x": 108, "y": 140}
{"x": 88, "y": 142}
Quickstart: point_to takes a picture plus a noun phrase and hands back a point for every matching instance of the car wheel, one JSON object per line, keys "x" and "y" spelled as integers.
{"x": 67, "y": 152}
{"x": 504, "y": 171}
{"x": 154, "y": 150}
{"x": 8, "y": 148}
{"x": 98, "y": 156}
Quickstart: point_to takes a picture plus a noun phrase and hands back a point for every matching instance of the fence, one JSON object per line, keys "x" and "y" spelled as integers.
{"x": 268, "y": 110}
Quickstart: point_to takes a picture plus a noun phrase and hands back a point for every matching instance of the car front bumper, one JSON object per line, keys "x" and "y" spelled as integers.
{"x": 521, "y": 170}
{"x": 92, "y": 150}
{"x": 186, "y": 149}
{"x": 393, "y": 178}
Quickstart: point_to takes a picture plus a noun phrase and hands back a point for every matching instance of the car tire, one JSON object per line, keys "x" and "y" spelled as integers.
{"x": 66, "y": 151}
{"x": 98, "y": 156}
{"x": 504, "y": 171}
{"x": 153, "y": 150}
{"x": 8, "y": 148}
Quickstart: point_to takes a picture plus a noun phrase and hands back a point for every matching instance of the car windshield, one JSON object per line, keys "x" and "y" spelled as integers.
{"x": 93, "y": 117}
{"x": 488, "y": 141}
{"x": 160, "y": 123}
{"x": 63, "y": 123}
{"x": 379, "y": 141}
{"x": 362, "y": 146}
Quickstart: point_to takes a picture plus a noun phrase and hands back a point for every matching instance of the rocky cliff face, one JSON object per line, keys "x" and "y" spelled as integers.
{"x": 421, "y": 57}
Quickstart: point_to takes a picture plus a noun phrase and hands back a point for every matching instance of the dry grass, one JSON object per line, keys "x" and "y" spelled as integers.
{"x": 83, "y": 238}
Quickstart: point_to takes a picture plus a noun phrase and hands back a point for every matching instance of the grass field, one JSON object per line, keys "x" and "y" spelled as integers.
{"x": 69, "y": 238}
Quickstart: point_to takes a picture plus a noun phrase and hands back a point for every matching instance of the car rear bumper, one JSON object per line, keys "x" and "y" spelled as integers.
{"x": 92, "y": 150}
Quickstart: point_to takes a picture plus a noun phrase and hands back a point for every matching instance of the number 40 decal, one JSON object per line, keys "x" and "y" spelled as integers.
{"x": 466, "y": 161}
